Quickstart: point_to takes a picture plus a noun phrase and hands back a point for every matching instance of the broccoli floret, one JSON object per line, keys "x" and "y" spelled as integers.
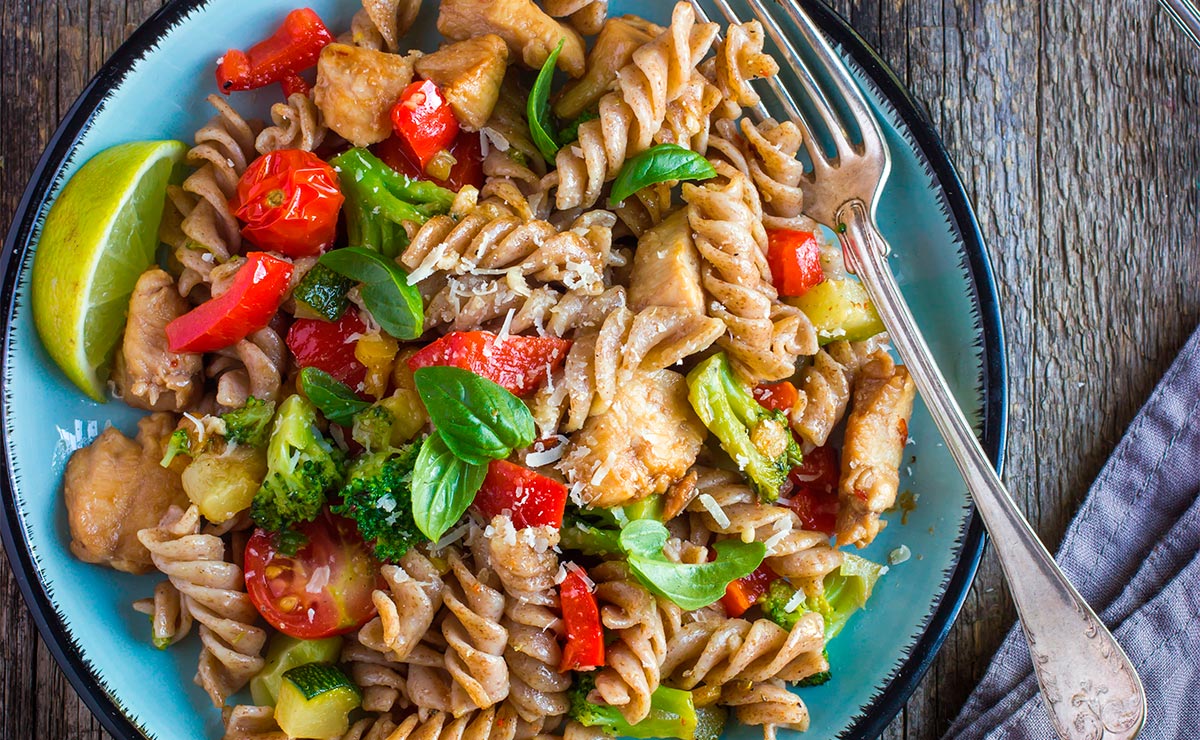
{"x": 378, "y": 497}
{"x": 757, "y": 439}
{"x": 379, "y": 200}
{"x": 302, "y": 468}
{"x": 672, "y": 712}
{"x": 844, "y": 591}
{"x": 251, "y": 424}
{"x": 775, "y": 601}
{"x": 373, "y": 428}
{"x": 179, "y": 444}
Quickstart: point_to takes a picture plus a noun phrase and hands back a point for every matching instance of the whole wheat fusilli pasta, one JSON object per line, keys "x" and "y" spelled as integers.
{"x": 214, "y": 593}
{"x": 765, "y": 336}
{"x": 715, "y": 652}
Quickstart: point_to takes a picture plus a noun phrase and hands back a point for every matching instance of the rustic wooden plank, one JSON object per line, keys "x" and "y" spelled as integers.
{"x": 1077, "y": 133}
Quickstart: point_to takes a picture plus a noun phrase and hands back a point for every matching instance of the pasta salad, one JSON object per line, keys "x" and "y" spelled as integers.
{"x": 498, "y": 390}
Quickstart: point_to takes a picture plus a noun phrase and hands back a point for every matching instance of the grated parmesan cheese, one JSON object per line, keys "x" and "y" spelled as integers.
{"x": 782, "y": 530}
{"x": 200, "y": 429}
{"x": 503, "y": 333}
{"x": 794, "y": 602}
{"x": 714, "y": 509}
{"x": 452, "y": 536}
{"x": 582, "y": 574}
{"x": 545, "y": 457}
{"x": 899, "y": 555}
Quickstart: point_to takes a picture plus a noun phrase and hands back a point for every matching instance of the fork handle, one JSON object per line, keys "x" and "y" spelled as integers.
{"x": 1090, "y": 688}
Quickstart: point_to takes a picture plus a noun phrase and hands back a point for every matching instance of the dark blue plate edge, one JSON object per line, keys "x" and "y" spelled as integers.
{"x": 995, "y": 382}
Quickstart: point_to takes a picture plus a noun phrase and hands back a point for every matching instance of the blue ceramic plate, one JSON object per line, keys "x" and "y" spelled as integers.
{"x": 154, "y": 87}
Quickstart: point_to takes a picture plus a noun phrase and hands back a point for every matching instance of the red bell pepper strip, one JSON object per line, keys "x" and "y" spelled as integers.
{"x": 743, "y": 593}
{"x": 781, "y": 396}
{"x": 812, "y": 490}
{"x": 249, "y": 305}
{"x": 424, "y": 119}
{"x": 329, "y": 346}
{"x": 795, "y": 261}
{"x": 585, "y": 638}
{"x": 289, "y": 201}
{"x": 293, "y": 48}
{"x": 518, "y": 363}
{"x": 466, "y": 150}
{"x": 531, "y": 499}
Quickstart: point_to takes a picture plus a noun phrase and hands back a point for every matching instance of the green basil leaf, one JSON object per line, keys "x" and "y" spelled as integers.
{"x": 443, "y": 487}
{"x": 662, "y": 163}
{"x": 336, "y": 401}
{"x": 691, "y": 586}
{"x": 537, "y": 109}
{"x": 478, "y": 419}
{"x": 395, "y": 304}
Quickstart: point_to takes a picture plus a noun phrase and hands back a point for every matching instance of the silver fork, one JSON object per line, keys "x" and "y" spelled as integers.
{"x": 1090, "y": 688}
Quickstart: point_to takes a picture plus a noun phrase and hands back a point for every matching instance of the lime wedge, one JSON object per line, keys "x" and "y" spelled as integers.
{"x": 99, "y": 237}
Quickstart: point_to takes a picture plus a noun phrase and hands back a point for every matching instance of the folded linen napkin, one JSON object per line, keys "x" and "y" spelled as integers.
{"x": 1132, "y": 551}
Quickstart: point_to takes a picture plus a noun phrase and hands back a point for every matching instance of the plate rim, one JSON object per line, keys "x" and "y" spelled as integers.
{"x": 961, "y": 217}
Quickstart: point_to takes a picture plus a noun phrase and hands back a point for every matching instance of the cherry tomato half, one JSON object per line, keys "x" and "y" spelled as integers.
{"x": 289, "y": 202}
{"x": 324, "y": 589}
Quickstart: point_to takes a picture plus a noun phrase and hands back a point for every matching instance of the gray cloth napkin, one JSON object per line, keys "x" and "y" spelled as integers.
{"x": 1132, "y": 552}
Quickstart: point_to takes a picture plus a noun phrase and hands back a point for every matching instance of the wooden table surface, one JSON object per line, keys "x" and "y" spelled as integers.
{"x": 1076, "y": 128}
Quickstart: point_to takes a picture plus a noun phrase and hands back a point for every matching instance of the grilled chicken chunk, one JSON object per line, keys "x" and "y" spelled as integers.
{"x": 666, "y": 268}
{"x": 530, "y": 34}
{"x": 147, "y": 374}
{"x": 356, "y": 89}
{"x": 114, "y": 487}
{"x": 876, "y": 432}
{"x": 470, "y": 73}
{"x": 646, "y": 441}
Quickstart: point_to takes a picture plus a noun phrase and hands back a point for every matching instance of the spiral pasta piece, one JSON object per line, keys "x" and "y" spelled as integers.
{"x": 585, "y": 16}
{"x": 825, "y": 389}
{"x": 604, "y": 359}
{"x": 497, "y": 238}
{"x": 633, "y": 114}
{"x": 248, "y": 722}
{"x": 255, "y": 366}
{"x": 715, "y": 652}
{"x": 170, "y": 619}
{"x": 632, "y": 671}
{"x": 765, "y": 336}
{"x": 297, "y": 124}
{"x": 527, "y": 565}
{"x": 475, "y": 638}
{"x": 768, "y": 704}
{"x": 200, "y": 216}
{"x": 381, "y": 679}
{"x": 213, "y": 591}
{"x": 792, "y": 551}
{"x": 406, "y": 609}
{"x": 739, "y": 60}
{"x": 493, "y": 723}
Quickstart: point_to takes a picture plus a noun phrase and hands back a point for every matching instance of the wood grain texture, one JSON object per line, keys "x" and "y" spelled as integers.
{"x": 1076, "y": 128}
